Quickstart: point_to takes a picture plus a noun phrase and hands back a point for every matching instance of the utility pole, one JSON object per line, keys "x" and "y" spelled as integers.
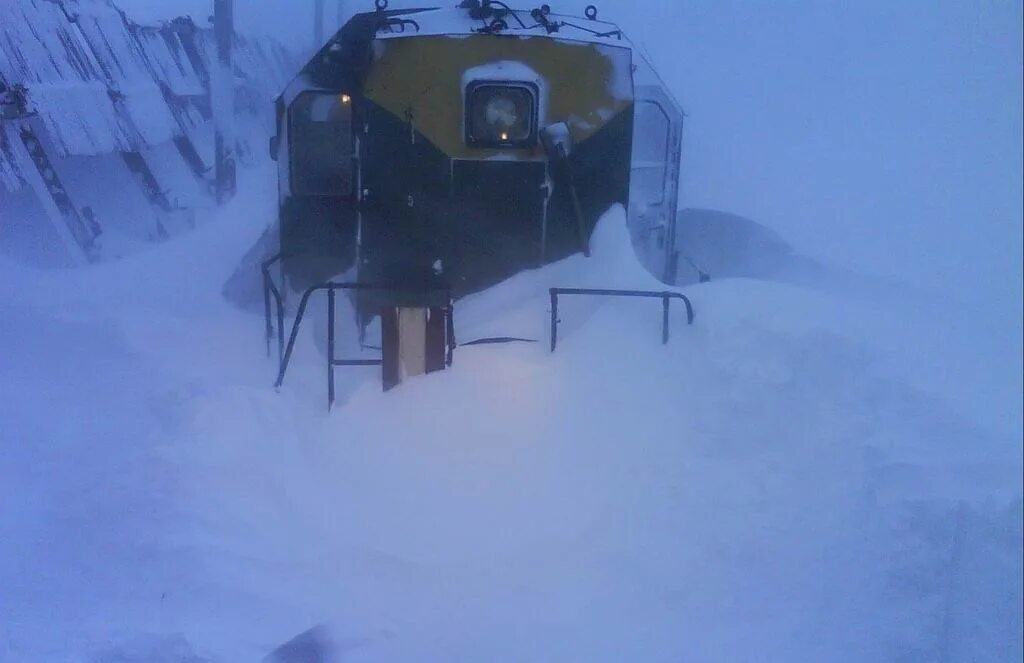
{"x": 341, "y": 13}
{"x": 222, "y": 100}
{"x": 318, "y": 24}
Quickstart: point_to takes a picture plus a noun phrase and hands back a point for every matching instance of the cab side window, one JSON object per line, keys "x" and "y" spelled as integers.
{"x": 321, "y": 148}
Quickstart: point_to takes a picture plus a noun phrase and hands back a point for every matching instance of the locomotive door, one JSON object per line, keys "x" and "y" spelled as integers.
{"x": 654, "y": 174}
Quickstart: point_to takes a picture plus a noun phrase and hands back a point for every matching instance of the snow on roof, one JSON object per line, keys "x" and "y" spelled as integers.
{"x": 84, "y": 74}
{"x": 10, "y": 173}
{"x": 459, "y": 22}
{"x": 169, "y": 60}
{"x": 40, "y": 45}
{"x": 80, "y": 118}
{"x": 101, "y": 83}
{"x": 262, "y": 64}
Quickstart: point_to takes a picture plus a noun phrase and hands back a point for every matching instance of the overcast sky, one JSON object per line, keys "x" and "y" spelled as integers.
{"x": 882, "y": 135}
{"x": 290, "y": 20}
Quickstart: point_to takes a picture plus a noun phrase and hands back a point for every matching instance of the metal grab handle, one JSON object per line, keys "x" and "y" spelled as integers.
{"x": 665, "y": 296}
{"x": 270, "y": 289}
{"x": 330, "y": 287}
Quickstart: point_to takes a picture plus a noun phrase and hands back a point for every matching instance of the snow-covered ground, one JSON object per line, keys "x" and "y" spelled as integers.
{"x": 802, "y": 475}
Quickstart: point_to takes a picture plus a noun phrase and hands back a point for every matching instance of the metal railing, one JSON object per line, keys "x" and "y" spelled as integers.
{"x": 285, "y": 351}
{"x": 270, "y": 290}
{"x": 273, "y": 301}
{"x": 665, "y": 296}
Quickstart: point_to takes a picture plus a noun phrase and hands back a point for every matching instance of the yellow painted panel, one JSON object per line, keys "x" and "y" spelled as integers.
{"x": 421, "y": 78}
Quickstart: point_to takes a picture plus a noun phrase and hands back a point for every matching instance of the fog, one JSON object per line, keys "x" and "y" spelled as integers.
{"x": 822, "y": 473}
{"x": 883, "y": 137}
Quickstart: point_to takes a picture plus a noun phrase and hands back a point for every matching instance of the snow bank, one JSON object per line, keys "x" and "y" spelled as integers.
{"x": 767, "y": 486}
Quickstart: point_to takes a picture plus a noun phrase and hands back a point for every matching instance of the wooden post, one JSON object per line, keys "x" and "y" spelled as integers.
{"x": 414, "y": 342}
{"x": 318, "y": 24}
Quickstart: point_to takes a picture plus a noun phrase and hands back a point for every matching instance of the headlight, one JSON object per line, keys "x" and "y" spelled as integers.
{"x": 501, "y": 115}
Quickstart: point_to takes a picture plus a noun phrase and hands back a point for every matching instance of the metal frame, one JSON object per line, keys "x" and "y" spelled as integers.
{"x": 270, "y": 291}
{"x": 272, "y": 295}
{"x": 665, "y": 296}
{"x": 658, "y": 95}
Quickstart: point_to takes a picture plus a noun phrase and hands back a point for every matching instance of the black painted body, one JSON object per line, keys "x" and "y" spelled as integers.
{"x": 427, "y": 219}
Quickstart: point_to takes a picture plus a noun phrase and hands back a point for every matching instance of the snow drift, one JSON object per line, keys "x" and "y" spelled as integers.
{"x": 779, "y": 482}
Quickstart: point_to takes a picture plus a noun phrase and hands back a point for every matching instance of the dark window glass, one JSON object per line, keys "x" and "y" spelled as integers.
{"x": 321, "y": 144}
{"x": 501, "y": 115}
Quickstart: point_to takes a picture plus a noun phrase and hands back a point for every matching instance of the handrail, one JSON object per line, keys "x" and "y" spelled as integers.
{"x": 330, "y": 287}
{"x": 270, "y": 289}
{"x": 665, "y": 296}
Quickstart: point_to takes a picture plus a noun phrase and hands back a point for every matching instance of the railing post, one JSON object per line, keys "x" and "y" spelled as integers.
{"x": 554, "y": 318}
{"x": 330, "y": 348}
{"x": 280, "y": 331}
{"x": 450, "y": 329}
{"x": 270, "y": 290}
{"x": 283, "y": 367}
{"x": 689, "y": 309}
{"x": 268, "y": 332}
{"x": 664, "y": 318}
